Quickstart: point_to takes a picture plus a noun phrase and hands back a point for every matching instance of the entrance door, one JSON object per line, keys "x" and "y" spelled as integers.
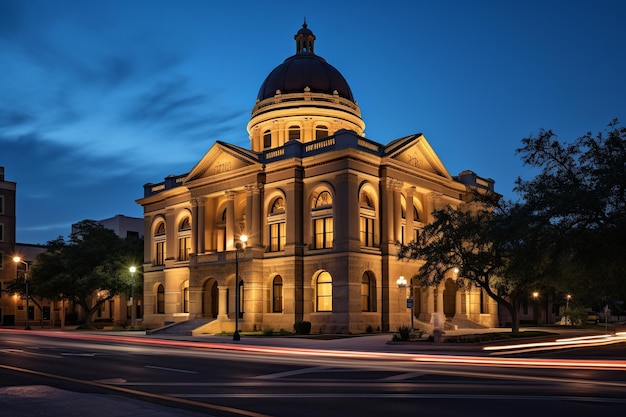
{"x": 449, "y": 298}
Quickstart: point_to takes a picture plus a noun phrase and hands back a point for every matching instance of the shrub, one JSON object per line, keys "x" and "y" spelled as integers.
{"x": 268, "y": 332}
{"x": 302, "y": 327}
{"x": 369, "y": 329}
{"x": 405, "y": 333}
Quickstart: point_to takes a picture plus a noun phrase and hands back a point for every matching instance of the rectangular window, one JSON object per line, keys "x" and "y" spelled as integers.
{"x": 184, "y": 248}
{"x": 186, "y": 300}
{"x": 277, "y": 237}
{"x": 367, "y": 232}
{"x": 1, "y": 232}
{"x": 323, "y": 233}
{"x": 160, "y": 254}
{"x": 1, "y": 204}
{"x": 45, "y": 312}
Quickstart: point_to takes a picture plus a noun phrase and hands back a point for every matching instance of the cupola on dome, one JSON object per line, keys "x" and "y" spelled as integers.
{"x": 305, "y": 69}
{"x": 304, "y": 99}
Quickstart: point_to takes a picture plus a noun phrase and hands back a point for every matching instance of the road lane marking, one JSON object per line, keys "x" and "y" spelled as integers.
{"x": 24, "y": 352}
{"x": 301, "y": 371}
{"x": 232, "y": 410}
{"x": 171, "y": 369}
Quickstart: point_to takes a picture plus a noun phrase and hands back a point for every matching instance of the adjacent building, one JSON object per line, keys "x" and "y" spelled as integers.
{"x": 13, "y": 307}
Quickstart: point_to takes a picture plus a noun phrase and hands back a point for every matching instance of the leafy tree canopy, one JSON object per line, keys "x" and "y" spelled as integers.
{"x": 578, "y": 199}
{"x": 89, "y": 269}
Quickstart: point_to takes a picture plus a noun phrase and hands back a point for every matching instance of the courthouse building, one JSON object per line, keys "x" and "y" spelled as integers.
{"x": 322, "y": 207}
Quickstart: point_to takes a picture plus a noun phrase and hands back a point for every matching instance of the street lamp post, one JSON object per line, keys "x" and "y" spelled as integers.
{"x": 132, "y": 270}
{"x": 402, "y": 283}
{"x": 238, "y": 246}
{"x": 17, "y": 259}
{"x": 567, "y": 298}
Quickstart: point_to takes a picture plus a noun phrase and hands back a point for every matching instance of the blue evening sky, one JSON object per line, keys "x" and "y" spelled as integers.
{"x": 100, "y": 97}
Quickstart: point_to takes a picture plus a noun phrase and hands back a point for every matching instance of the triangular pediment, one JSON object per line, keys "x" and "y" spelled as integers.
{"x": 415, "y": 152}
{"x": 221, "y": 159}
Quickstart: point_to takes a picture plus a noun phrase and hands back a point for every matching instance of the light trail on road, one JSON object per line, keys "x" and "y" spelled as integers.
{"x": 462, "y": 360}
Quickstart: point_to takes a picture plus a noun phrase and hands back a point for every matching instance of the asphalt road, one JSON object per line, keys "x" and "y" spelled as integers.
{"x": 61, "y": 374}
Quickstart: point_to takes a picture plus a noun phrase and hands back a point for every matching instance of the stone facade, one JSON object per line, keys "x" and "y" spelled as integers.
{"x": 323, "y": 209}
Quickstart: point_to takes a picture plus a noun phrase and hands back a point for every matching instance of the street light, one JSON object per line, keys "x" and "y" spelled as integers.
{"x": 402, "y": 283}
{"x": 17, "y": 259}
{"x": 535, "y": 310}
{"x": 132, "y": 270}
{"x": 238, "y": 246}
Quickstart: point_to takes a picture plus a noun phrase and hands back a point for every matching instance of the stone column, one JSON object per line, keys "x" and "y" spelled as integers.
{"x": 223, "y": 294}
{"x": 194, "y": 226}
{"x": 409, "y": 216}
{"x": 254, "y": 214}
{"x": 430, "y": 307}
{"x": 170, "y": 234}
{"x": 397, "y": 211}
{"x": 440, "y": 289}
{"x": 458, "y": 304}
{"x": 230, "y": 220}
{"x": 201, "y": 225}
{"x": 387, "y": 213}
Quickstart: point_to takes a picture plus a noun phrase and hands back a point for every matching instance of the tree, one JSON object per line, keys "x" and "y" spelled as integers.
{"x": 579, "y": 200}
{"x": 88, "y": 270}
{"x": 480, "y": 239}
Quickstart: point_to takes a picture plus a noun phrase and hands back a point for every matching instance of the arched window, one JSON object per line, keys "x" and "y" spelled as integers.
{"x": 324, "y": 292}
{"x": 294, "y": 132}
{"x": 368, "y": 293}
{"x": 321, "y": 132}
{"x": 160, "y": 304}
{"x": 221, "y": 231}
{"x": 323, "y": 220}
{"x": 367, "y": 216}
{"x": 186, "y": 300}
{"x": 416, "y": 229}
{"x": 276, "y": 221}
{"x": 267, "y": 139}
{"x": 184, "y": 239}
{"x": 159, "y": 244}
{"x": 277, "y": 294}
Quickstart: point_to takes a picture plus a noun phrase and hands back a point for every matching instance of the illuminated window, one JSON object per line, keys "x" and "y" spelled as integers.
{"x": 324, "y": 291}
{"x": 416, "y": 230}
{"x": 159, "y": 244}
{"x": 294, "y": 132}
{"x": 267, "y": 139}
{"x": 367, "y": 215}
{"x": 323, "y": 221}
{"x": 321, "y": 132}
{"x": 277, "y": 295}
{"x": 184, "y": 239}
{"x": 368, "y": 293}
{"x": 276, "y": 222}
